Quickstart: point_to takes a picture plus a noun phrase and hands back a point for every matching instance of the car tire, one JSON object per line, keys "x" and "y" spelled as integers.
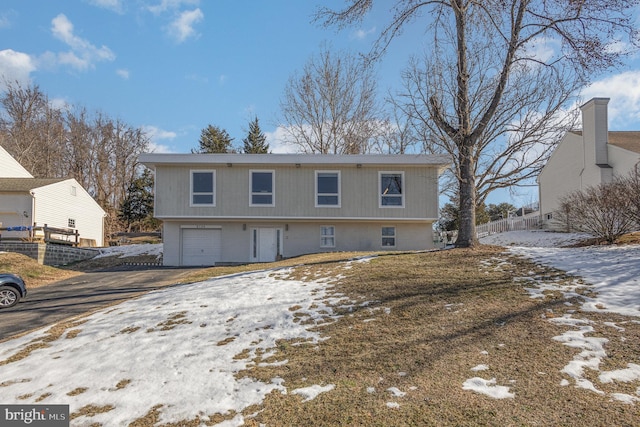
{"x": 8, "y": 296}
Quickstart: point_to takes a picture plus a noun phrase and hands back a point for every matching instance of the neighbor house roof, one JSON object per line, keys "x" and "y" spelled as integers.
{"x": 21, "y": 185}
{"x": 629, "y": 140}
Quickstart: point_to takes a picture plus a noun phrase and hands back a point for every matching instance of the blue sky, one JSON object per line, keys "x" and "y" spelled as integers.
{"x": 173, "y": 67}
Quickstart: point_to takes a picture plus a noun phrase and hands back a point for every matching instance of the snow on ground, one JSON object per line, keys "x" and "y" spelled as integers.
{"x": 125, "y": 251}
{"x": 612, "y": 273}
{"x": 177, "y": 347}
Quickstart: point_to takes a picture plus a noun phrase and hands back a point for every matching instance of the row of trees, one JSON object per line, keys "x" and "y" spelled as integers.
{"x": 606, "y": 211}
{"x": 100, "y": 152}
{"x": 214, "y": 139}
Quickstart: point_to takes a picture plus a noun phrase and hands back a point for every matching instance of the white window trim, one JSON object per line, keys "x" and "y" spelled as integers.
{"x": 323, "y": 236}
{"x": 339, "y": 204}
{"x": 395, "y": 236}
{"x": 380, "y": 205}
{"x": 191, "y": 193}
{"x": 273, "y": 188}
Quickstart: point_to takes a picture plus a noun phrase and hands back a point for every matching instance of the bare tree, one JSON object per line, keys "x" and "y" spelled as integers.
{"x": 331, "y": 107}
{"x": 32, "y": 129}
{"x": 486, "y": 93}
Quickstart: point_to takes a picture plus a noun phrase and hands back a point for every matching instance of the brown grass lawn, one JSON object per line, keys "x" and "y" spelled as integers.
{"x": 448, "y": 311}
{"x": 420, "y": 323}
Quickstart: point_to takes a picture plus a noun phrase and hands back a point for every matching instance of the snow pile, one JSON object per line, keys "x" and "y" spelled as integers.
{"x": 179, "y": 347}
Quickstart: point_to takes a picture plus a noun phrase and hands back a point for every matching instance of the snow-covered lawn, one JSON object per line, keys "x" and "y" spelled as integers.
{"x": 612, "y": 273}
{"x": 179, "y": 347}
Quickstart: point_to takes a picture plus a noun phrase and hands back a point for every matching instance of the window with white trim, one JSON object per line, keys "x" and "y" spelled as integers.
{"x": 327, "y": 236}
{"x": 328, "y": 189}
{"x": 388, "y": 237}
{"x": 262, "y": 186}
{"x": 391, "y": 189}
{"x": 203, "y": 188}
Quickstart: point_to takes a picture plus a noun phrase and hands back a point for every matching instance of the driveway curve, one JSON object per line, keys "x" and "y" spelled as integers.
{"x": 84, "y": 293}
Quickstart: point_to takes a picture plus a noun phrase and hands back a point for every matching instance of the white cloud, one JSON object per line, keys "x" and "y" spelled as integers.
{"x": 15, "y": 66}
{"x": 83, "y": 55}
{"x": 624, "y": 91}
{"x": 123, "y": 73}
{"x": 542, "y": 49}
{"x": 113, "y": 5}
{"x": 6, "y": 18}
{"x": 167, "y": 5}
{"x": 362, "y": 34}
{"x": 182, "y": 27}
{"x": 277, "y": 141}
{"x": 156, "y": 134}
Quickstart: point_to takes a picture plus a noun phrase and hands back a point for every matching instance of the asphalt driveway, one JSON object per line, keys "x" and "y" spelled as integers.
{"x": 80, "y": 294}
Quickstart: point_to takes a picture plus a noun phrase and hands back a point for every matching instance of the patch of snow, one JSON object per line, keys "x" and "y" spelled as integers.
{"x": 396, "y": 392}
{"x": 488, "y": 387}
{"x": 534, "y": 238}
{"x": 393, "y": 405}
{"x": 126, "y": 251}
{"x": 479, "y": 368}
{"x": 631, "y": 373}
{"x": 310, "y": 393}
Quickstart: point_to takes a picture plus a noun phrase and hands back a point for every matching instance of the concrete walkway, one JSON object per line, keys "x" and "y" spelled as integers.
{"x": 80, "y": 294}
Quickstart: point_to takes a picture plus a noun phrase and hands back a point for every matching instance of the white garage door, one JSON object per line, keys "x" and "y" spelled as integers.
{"x": 201, "y": 246}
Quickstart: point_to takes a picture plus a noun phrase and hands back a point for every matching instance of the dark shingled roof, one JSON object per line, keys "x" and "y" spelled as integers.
{"x": 23, "y": 185}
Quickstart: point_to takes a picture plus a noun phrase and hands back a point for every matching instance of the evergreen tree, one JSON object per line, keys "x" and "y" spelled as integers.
{"x": 136, "y": 210}
{"x": 256, "y": 141}
{"x": 214, "y": 140}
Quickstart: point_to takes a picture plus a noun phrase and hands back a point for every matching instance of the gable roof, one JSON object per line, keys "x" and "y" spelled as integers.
{"x": 22, "y": 185}
{"x": 629, "y": 140}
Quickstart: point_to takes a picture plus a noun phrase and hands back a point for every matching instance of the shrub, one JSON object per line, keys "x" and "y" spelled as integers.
{"x": 602, "y": 211}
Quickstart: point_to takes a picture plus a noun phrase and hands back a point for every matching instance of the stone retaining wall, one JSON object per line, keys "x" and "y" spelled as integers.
{"x": 49, "y": 254}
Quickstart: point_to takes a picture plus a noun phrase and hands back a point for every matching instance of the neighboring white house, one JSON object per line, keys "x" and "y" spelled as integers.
{"x": 61, "y": 203}
{"x": 10, "y": 167}
{"x": 587, "y": 158}
{"x": 237, "y": 208}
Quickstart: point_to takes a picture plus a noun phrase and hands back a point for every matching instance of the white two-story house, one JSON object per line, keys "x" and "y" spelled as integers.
{"x": 587, "y": 158}
{"x": 238, "y": 208}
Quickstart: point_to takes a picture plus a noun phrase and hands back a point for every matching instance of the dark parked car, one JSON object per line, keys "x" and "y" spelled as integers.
{"x": 12, "y": 288}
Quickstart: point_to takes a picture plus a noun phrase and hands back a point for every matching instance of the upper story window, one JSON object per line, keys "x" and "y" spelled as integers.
{"x": 262, "y": 186}
{"x": 391, "y": 189}
{"x": 327, "y": 189}
{"x": 203, "y": 185}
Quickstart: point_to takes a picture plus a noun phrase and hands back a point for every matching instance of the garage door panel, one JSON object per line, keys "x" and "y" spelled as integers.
{"x": 201, "y": 246}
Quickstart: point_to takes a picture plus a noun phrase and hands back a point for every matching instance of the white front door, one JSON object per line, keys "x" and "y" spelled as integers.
{"x": 266, "y": 244}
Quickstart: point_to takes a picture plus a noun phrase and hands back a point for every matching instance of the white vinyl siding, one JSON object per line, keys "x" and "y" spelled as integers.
{"x": 262, "y": 188}
{"x": 54, "y": 206}
{"x": 327, "y": 236}
{"x": 327, "y": 189}
{"x": 203, "y": 188}
{"x": 391, "y": 185}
